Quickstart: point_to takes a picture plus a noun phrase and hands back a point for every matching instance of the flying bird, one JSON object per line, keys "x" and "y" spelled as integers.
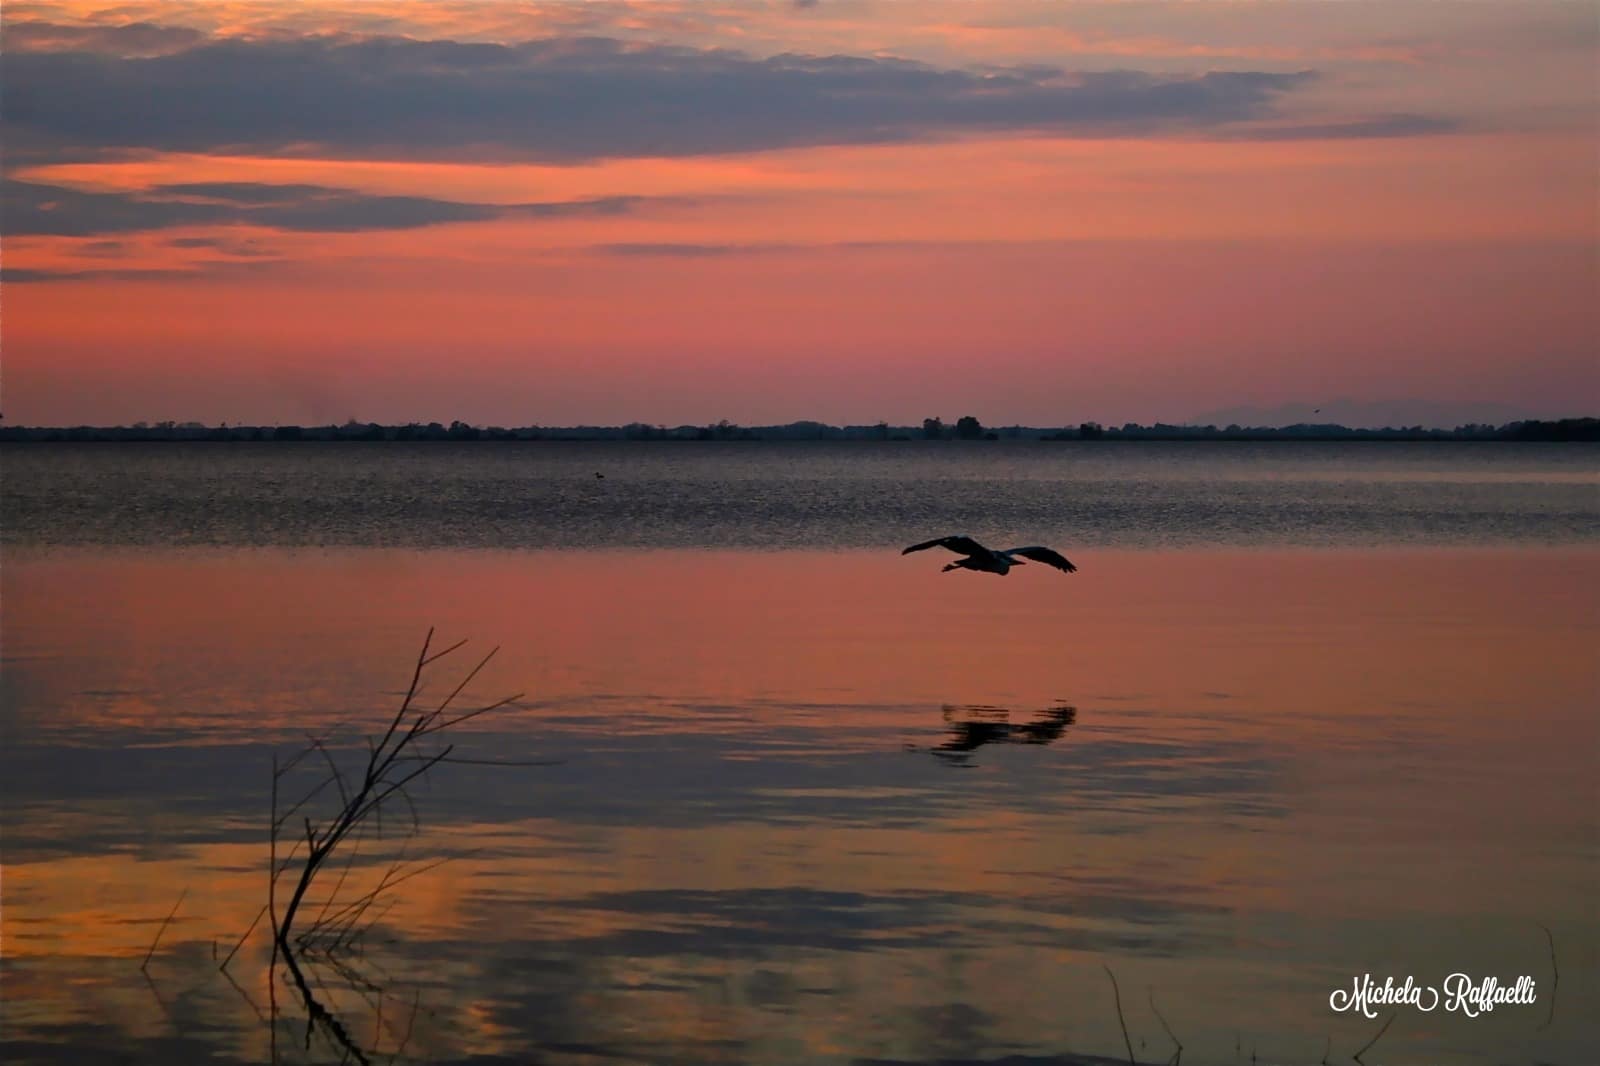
{"x": 988, "y": 560}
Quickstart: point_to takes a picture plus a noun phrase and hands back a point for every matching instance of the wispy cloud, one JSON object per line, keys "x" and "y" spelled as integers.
{"x": 701, "y": 250}
{"x": 218, "y": 268}
{"x": 684, "y": 250}
{"x": 242, "y": 249}
{"x": 32, "y": 209}
{"x": 1347, "y": 129}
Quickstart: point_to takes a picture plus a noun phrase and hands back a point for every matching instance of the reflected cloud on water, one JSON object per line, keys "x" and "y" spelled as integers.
{"x": 785, "y": 864}
{"x": 735, "y": 858}
{"x": 782, "y": 764}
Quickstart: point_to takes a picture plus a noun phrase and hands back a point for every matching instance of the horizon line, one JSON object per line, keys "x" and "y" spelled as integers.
{"x": 968, "y": 427}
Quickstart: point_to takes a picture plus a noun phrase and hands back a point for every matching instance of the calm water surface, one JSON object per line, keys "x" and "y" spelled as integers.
{"x": 1305, "y": 713}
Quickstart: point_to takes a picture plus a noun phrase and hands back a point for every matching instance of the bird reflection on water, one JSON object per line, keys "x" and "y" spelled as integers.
{"x": 974, "y": 725}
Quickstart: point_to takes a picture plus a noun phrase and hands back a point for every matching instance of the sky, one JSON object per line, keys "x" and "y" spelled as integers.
{"x": 680, "y": 211}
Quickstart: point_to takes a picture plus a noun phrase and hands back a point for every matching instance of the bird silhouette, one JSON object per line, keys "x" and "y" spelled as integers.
{"x": 989, "y": 560}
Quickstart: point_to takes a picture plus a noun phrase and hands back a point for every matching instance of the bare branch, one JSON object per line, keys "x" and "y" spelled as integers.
{"x": 396, "y": 758}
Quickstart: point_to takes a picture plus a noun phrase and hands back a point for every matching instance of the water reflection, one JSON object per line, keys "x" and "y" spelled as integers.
{"x": 974, "y": 725}
{"x": 737, "y": 860}
{"x": 359, "y": 1001}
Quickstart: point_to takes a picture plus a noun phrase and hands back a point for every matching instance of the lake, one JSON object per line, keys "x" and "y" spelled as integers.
{"x": 773, "y": 792}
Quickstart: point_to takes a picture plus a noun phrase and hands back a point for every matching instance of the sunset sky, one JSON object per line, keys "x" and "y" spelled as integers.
{"x": 672, "y": 211}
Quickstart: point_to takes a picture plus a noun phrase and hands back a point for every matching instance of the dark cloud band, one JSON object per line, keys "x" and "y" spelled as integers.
{"x": 569, "y": 99}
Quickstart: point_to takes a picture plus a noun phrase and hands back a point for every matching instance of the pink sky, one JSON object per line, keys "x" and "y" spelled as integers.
{"x": 563, "y": 213}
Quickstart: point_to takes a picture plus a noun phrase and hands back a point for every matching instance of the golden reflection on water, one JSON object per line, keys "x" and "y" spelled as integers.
{"x": 1283, "y": 769}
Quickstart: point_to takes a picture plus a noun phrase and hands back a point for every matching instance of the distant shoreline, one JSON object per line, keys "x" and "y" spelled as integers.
{"x": 967, "y": 429}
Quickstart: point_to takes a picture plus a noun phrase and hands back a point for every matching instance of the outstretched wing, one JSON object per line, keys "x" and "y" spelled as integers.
{"x": 958, "y": 544}
{"x": 1046, "y": 556}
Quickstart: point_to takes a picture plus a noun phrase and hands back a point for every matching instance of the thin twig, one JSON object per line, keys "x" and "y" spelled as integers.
{"x": 411, "y": 809}
{"x": 1116, "y": 992}
{"x": 427, "y": 764}
{"x": 347, "y": 935}
{"x": 355, "y": 850}
{"x": 156, "y": 994}
{"x": 288, "y": 859}
{"x": 272, "y": 911}
{"x": 253, "y": 923}
{"x": 144, "y": 966}
{"x": 384, "y": 884}
{"x": 338, "y": 778}
{"x": 411, "y": 692}
{"x": 411, "y": 1021}
{"x": 244, "y": 995}
{"x": 441, "y": 654}
{"x": 1368, "y": 1045}
{"x": 458, "y": 719}
{"x": 356, "y": 935}
{"x": 351, "y": 976}
{"x": 307, "y": 798}
{"x": 465, "y": 681}
{"x": 272, "y": 859}
{"x": 1555, "y": 976}
{"x": 361, "y": 903}
{"x": 280, "y": 771}
{"x": 1178, "y": 1055}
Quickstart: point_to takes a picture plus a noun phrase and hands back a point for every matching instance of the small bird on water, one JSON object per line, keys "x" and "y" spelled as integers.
{"x": 989, "y": 560}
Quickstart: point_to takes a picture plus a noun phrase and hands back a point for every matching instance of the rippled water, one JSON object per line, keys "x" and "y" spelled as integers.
{"x": 819, "y": 805}
{"x": 755, "y": 495}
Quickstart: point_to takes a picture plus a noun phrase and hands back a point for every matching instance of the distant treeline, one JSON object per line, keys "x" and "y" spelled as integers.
{"x": 965, "y": 428}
